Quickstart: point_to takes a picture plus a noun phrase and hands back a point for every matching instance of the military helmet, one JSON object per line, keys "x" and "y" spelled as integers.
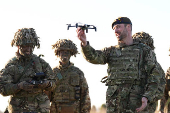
{"x": 25, "y": 36}
{"x": 64, "y": 44}
{"x": 144, "y": 38}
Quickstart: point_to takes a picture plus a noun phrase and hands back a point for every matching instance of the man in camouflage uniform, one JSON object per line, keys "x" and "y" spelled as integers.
{"x": 133, "y": 77}
{"x": 147, "y": 39}
{"x": 166, "y": 97}
{"x": 26, "y": 76}
{"x": 71, "y": 94}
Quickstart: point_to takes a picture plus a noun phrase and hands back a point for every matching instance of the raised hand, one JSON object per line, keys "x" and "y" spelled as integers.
{"x": 81, "y": 36}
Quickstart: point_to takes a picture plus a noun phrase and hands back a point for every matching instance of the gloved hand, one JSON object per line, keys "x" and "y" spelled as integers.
{"x": 25, "y": 86}
{"x": 45, "y": 84}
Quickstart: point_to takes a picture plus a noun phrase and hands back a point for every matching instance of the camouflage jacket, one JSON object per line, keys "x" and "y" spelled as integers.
{"x": 20, "y": 69}
{"x": 167, "y": 86}
{"x": 72, "y": 90}
{"x": 132, "y": 71}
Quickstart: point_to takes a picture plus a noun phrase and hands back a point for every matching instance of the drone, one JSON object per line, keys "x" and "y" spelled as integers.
{"x": 82, "y": 26}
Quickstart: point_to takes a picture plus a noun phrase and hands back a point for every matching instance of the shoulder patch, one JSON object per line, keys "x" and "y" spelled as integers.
{"x": 14, "y": 58}
{"x": 59, "y": 76}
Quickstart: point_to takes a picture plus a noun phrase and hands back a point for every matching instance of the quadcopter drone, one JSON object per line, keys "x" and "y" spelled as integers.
{"x": 82, "y": 26}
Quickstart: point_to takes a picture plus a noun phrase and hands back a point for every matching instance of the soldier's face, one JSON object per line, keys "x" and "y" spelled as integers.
{"x": 64, "y": 56}
{"x": 26, "y": 50}
{"x": 120, "y": 31}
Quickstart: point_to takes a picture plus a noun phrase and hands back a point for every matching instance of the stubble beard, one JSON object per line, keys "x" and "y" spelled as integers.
{"x": 123, "y": 35}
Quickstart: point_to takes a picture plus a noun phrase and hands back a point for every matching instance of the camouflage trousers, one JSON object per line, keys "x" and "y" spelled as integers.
{"x": 22, "y": 112}
{"x": 64, "y": 107}
{"x": 164, "y": 105}
{"x": 29, "y": 104}
{"x": 121, "y": 100}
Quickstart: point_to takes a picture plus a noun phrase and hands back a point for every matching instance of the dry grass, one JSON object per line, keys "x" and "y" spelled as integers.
{"x": 99, "y": 111}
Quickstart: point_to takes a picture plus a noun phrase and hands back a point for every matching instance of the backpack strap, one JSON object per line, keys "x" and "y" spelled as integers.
{"x": 16, "y": 79}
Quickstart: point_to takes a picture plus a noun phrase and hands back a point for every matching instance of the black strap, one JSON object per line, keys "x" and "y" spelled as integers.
{"x": 24, "y": 70}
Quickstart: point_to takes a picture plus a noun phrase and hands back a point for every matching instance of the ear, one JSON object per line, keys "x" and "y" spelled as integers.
{"x": 128, "y": 27}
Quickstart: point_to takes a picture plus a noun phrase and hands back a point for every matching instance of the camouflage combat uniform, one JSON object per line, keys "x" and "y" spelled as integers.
{"x": 19, "y": 69}
{"x": 166, "y": 93}
{"x": 147, "y": 39}
{"x": 71, "y": 94}
{"x": 132, "y": 74}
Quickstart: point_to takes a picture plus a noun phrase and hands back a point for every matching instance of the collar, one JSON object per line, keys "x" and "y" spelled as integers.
{"x": 62, "y": 67}
{"x": 120, "y": 45}
{"x": 23, "y": 58}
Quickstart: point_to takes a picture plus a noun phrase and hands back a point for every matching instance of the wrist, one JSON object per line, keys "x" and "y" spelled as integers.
{"x": 145, "y": 98}
{"x": 84, "y": 43}
{"x": 18, "y": 86}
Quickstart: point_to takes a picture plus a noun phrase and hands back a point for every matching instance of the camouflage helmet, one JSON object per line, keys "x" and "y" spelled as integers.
{"x": 25, "y": 36}
{"x": 144, "y": 38}
{"x": 64, "y": 44}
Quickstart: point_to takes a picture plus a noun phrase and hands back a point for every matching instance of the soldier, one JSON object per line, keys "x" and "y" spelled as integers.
{"x": 26, "y": 76}
{"x": 145, "y": 38}
{"x": 164, "y": 102}
{"x": 71, "y": 94}
{"x": 6, "y": 110}
{"x": 133, "y": 77}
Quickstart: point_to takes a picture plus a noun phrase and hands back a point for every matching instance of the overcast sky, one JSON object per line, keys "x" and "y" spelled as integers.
{"x": 49, "y": 19}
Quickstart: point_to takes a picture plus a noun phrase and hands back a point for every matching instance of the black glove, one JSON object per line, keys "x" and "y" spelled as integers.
{"x": 45, "y": 84}
{"x": 25, "y": 86}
